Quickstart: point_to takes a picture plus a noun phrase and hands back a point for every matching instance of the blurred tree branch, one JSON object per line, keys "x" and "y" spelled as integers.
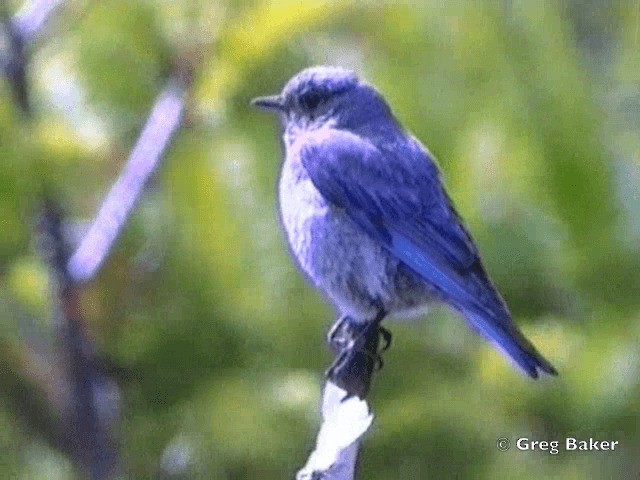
{"x": 164, "y": 120}
{"x": 88, "y": 417}
{"x": 19, "y": 31}
{"x": 93, "y": 400}
{"x": 78, "y": 412}
{"x": 27, "y": 397}
{"x": 90, "y": 409}
{"x": 32, "y": 16}
{"x": 14, "y": 63}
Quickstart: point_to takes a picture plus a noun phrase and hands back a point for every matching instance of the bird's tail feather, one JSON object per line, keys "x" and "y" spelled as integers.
{"x": 507, "y": 338}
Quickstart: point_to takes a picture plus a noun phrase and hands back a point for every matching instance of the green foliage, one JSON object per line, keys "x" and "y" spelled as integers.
{"x": 531, "y": 109}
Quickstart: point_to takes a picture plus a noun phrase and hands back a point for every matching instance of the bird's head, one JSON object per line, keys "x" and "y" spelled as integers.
{"x": 324, "y": 96}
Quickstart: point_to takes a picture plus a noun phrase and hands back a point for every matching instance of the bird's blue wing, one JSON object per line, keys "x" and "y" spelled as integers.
{"x": 401, "y": 204}
{"x": 397, "y": 198}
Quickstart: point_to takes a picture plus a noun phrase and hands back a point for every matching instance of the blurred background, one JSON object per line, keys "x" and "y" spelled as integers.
{"x": 214, "y": 340}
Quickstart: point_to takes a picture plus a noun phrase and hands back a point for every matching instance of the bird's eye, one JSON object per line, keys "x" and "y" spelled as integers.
{"x": 310, "y": 100}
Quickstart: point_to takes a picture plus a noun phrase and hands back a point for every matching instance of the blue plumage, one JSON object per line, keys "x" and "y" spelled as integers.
{"x": 367, "y": 216}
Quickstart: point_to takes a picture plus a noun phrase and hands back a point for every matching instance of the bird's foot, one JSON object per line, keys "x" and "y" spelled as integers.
{"x": 341, "y": 334}
{"x": 386, "y": 336}
{"x": 357, "y": 348}
{"x": 352, "y": 370}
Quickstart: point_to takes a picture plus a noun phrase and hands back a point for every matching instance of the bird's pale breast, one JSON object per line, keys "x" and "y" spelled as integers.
{"x": 353, "y": 270}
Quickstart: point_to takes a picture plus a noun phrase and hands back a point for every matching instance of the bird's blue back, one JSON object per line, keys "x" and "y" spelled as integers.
{"x": 390, "y": 186}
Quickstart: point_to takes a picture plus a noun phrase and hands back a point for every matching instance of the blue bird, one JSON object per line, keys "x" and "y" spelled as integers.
{"x": 368, "y": 219}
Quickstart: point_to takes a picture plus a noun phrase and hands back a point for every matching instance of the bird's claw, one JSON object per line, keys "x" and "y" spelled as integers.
{"x": 347, "y": 355}
{"x": 358, "y": 354}
{"x": 386, "y": 336}
{"x": 340, "y": 335}
{"x": 351, "y": 371}
{"x": 337, "y": 365}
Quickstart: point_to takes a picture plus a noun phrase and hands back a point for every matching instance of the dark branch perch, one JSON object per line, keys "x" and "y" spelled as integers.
{"x": 163, "y": 122}
{"x": 344, "y": 421}
{"x": 345, "y": 413}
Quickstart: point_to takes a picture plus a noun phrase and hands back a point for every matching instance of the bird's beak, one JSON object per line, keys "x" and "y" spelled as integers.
{"x": 274, "y": 102}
